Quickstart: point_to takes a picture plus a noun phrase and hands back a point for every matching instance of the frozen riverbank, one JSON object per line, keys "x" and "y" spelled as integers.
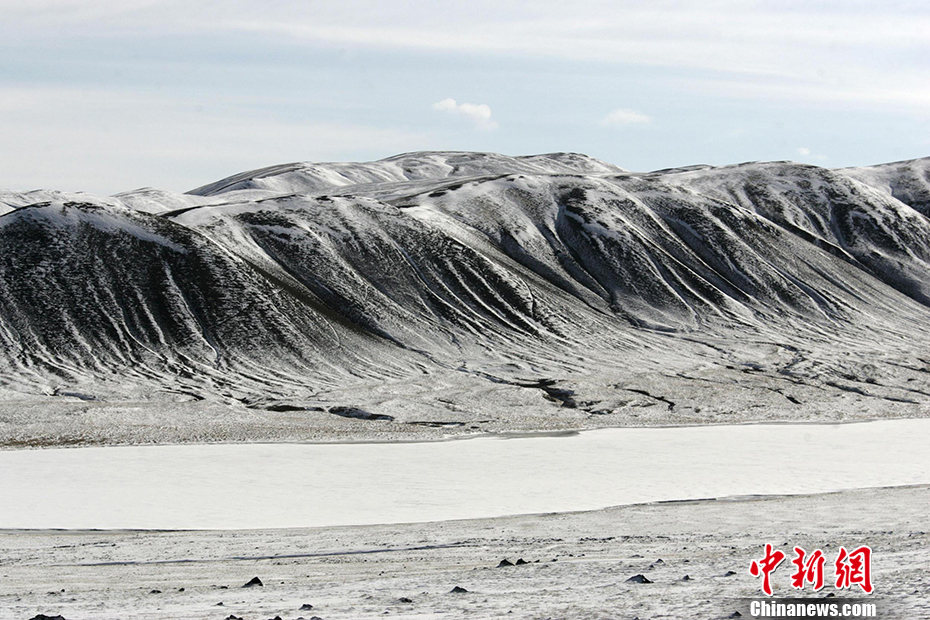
{"x": 303, "y": 485}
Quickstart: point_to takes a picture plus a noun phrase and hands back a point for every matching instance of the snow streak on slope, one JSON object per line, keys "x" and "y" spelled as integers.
{"x": 295, "y": 280}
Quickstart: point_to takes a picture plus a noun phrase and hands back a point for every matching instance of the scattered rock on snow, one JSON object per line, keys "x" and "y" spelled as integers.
{"x": 457, "y": 590}
{"x": 255, "y": 581}
{"x": 306, "y": 607}
{"x": 640, "y": 578}
{"x": 404, "y": 599}
{"x": 504, "y": 563}
{"x": 44, "y": 617}
{"x": 521, "y": 562}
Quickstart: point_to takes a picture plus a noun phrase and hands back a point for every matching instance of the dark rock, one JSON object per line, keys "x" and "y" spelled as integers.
{"x": 686, "y": 578}
{"x": 457, "y": 590}
{"x": 505, "y": 562}
{"x": 521, "y": 562}
{"x": 180, "y": 589}
{"x": 729, "y": 573}
{"x": 736, "y": 614}
{"x": 559, "y": 395}
{"x": 659, "y": 561}
{"x": 44, "y": 617}
{"x": 306, "y": 607}
{"x": 404, "y": 599}
{"x": 436, "y": 423}
{"x": 232, "y": 617}
{"x": 285, "y": 407}
{"x": 254, "y": 582}
{"x": 639, "y": 579}
{"x": 359, "y": 414}
{"x": 155, "y": 592}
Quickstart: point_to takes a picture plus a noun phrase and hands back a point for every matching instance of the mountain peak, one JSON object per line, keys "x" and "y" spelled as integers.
{"x": 309, "y": 177}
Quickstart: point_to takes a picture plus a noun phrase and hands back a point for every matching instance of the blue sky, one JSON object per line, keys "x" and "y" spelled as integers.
{"x": 109, "y": 96}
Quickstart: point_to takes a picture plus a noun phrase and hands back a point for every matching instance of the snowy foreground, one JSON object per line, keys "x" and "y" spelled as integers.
{"x": 578, "y": 564}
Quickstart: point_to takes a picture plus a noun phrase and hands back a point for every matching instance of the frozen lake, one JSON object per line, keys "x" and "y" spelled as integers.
{"x": 296, "y": 485}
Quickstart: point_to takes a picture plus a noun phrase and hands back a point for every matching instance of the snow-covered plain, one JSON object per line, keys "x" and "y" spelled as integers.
{"x": 584, "y": 561}
{"x": 293, "y": 485}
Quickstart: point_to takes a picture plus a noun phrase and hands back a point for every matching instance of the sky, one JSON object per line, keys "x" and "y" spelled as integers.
{"x": 107, "y": 96}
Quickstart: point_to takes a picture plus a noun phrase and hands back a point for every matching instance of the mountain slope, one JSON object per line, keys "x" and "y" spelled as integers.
{"x": 552, "y": 286}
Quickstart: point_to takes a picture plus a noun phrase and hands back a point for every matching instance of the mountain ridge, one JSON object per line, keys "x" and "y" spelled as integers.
{"x": 557, "y": 274}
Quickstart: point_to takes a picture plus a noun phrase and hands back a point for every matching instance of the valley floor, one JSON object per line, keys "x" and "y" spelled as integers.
{"x": 434, "y": 406}
{"x": 577, "y": 566}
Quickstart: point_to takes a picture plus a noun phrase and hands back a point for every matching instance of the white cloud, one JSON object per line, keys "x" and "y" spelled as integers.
{"x": 810, "y": 155}
{"x": 623, "y": 116}
{"x": 478, "y": 113}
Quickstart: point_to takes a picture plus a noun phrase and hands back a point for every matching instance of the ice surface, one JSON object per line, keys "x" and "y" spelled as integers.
{"x": 294, "y": 485}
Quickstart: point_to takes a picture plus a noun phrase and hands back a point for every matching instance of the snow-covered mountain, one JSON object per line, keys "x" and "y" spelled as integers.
{"x": 291, "y": 281}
